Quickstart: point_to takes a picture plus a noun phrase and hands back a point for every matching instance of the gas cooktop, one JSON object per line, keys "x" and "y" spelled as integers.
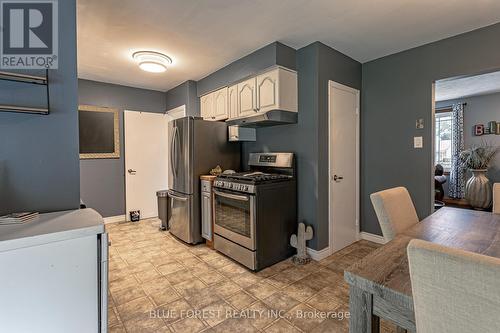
{"x": 255, "y": 177}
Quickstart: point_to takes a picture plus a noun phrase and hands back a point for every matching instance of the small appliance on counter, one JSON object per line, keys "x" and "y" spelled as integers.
{"x": 196, "y": 145}
{"x": 256, "y": 211}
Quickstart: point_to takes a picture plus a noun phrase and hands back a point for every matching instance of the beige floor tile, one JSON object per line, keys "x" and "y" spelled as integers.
{"x": 210, "y": 277}
{"x": 179, "y": 276}
{"x": 112, "y": 317}
{"x": 122, "y": 283}
{"x": 280, "y": 301}
{"x": 118, "y": 328}
{"x": 299, "y": 291}
{"x": 332, "y": 325}
{"x": 169, "y": 268}
{"x": 263, "y": 315}
{"x": 164, "y": 296}
{"x": 226, "y": 288}
{"x": 147, "y": 275}
{"x": 202, "y": 298}
{"x": 189, "y": 287}
{"x": 188, "y": 325}
{"x": 216, "y": 312}
{"x": 126, "y": 295}
{"x": 261, "y": 290}
{"x": 246, "y": 279}
{"x": 324, "y": 300}
{"x": 241, "y": 300}
{"x": 240, "y": 325}
{"x": 116, "y": 274}
{"x": 134, "y": 308}
{"x": 144, "y": 323}
{"x": 144, "y": 259}
{"x": 304, "y": 317}
{"x": 280, "y": 280}
{"x": 281, "y": 326}
{"x": 173, "y": 311}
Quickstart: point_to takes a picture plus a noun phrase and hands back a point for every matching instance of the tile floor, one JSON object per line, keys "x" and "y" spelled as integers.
{"x": 159, "y": 284}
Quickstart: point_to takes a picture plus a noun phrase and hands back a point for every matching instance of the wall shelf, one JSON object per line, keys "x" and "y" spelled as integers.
{"x": 29, "y": 79}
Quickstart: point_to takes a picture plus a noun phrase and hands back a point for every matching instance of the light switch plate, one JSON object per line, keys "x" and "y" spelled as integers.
{"x": 418, "y": 142}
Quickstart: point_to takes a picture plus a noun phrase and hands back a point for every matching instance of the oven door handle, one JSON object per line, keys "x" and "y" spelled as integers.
{"x": 232, "y": 196}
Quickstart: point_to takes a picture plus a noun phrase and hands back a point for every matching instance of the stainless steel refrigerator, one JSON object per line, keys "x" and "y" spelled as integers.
{"x": 196, "y": 146}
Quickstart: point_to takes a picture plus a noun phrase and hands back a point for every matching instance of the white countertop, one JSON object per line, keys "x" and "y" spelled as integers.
{"x": 51, "y": 227}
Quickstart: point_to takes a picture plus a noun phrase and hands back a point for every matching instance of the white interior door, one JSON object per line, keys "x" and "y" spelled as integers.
{"x": 343, "y": 165}
{"x": 146, "y": 161}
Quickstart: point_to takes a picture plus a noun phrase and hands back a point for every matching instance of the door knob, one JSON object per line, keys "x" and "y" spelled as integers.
{"x": 131, "y": 171}
{"x": 337, "y": 178}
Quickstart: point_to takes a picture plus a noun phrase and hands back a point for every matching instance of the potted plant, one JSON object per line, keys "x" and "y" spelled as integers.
{"x": 478, "y": 192}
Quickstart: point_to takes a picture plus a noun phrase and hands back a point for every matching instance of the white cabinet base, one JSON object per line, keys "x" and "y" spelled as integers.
{"x": 51, "y": 287}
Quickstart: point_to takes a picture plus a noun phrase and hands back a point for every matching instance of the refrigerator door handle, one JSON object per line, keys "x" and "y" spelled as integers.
{"x": 173, "y": 196}
{"x": 177, "y": 149}
{"x": 172, "y": 152}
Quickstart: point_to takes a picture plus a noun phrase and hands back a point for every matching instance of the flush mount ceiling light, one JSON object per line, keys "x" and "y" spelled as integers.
{"x": 151, "y": 61}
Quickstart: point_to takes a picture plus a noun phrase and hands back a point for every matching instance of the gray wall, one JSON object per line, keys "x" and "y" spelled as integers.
{"x": 39, "y": 166}
{"x": 316, "y": 64}
{"x": 102, "y": 181}
{"x": 184, "y": 94}
{"x": 480, "y": 110}
{"x": 396, "y": 91}
{"x": 267, "y": 56}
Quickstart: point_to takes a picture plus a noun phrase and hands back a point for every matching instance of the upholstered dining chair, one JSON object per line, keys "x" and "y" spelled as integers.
{"x": 454, "y": 291}
{"x": 496, "y": 198}
{"x": 395, "y": 211}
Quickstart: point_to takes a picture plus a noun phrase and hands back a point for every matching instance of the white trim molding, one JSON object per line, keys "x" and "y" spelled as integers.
{"x": 372, "y": 237}
{"x": 114, "y": 219}
{"x": 318, "y": 255}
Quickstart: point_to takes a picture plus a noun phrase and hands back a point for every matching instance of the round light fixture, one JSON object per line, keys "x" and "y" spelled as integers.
{"x": 151, "y": 61}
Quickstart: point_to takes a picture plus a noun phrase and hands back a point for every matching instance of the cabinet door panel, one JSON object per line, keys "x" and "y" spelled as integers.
{"x": 267, "y": 91}
{"x": 206, "y": 106}
{"x": 232, "y": 96}
{"x": 220, "y": 104}
{"x": 206, "y": 215}
{"x": 247, "y": 97}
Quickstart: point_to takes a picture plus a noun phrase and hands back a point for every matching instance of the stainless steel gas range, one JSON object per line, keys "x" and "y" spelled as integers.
{"x": 256, "y": 211}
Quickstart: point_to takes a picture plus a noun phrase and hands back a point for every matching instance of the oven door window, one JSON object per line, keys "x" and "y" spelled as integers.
{"x": 233, "y": 212}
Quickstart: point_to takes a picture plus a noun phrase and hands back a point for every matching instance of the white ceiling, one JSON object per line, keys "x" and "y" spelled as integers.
{"x": 483, "y": 84}
{"x": 203, "y": 36}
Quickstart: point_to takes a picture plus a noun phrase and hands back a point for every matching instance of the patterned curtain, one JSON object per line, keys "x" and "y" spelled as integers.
{"x": 457, "y": 173}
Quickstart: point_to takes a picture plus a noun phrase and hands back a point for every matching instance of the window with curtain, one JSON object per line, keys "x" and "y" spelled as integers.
{"x": 443, "y": 138}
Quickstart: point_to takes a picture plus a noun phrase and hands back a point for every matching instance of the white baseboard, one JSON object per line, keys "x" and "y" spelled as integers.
{"x": 114, "y": 219}
{"x": 319, "y": 254}
{"x": 372, "y": 237}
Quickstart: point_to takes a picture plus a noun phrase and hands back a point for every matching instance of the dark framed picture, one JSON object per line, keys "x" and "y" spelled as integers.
{"x": 99, "y": 132}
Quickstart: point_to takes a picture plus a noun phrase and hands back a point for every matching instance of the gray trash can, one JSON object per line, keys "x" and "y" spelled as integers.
{"x": 163, "y": 208}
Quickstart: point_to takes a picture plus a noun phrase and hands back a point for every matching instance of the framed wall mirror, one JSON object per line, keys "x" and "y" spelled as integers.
{"x": 99, "y": 132}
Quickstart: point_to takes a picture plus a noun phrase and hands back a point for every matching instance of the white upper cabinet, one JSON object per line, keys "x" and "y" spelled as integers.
{"x": 220, "y": 104}
{"x": 214, "y": 106}
{"x": 207, "y": 106}
{"x": 268, "y": 91}
{"x": 247, "y": 97}
{"x": 232, "y": 97}
{"x": 277, "y": 90}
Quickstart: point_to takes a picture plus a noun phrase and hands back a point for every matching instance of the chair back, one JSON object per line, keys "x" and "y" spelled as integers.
{"x": 395, "y": 211}
{"x": 454, "y": 291}
{"x": 496, "y": 198}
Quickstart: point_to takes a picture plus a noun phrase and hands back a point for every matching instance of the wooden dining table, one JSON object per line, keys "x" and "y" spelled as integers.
{"x": 380, "y": 285}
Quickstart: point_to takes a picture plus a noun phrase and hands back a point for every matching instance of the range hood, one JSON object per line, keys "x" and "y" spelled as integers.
{"x": 264, "y": 119}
